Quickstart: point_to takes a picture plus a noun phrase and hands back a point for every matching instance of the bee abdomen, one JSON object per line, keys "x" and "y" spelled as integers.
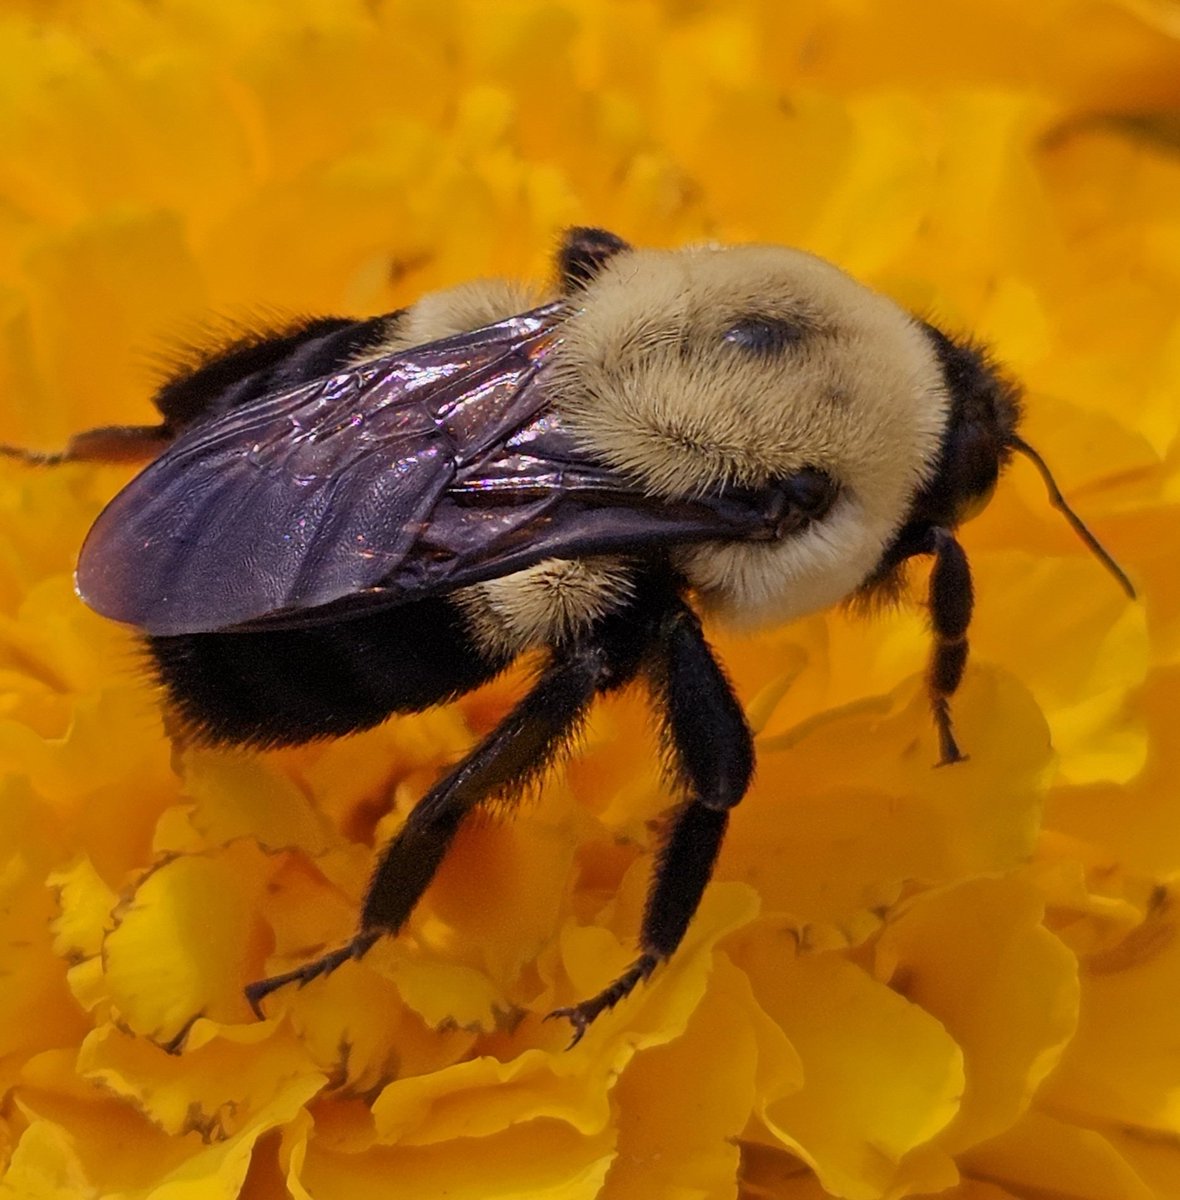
{"x": 261, "y": 364}
{"x": 289, "y": 686}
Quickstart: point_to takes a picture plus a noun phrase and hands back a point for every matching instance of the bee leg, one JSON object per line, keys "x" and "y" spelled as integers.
{"x": 712, "y": 753}
{"x": 521, "y": 746}
{"x": 950, "y": 598}
{"x": 108, "y": 444}
{"x": 325, "y": 965}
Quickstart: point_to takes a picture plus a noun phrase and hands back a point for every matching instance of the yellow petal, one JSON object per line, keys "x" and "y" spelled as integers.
{"x": 880, "y": 1076}
{"x": 477, "y": 1098}
{"x": 184, "y": 945}
{"x": 224, "y": 1078}
{"x": 536, "y": 1161}
{"x": 355, "y": 1027}
{"x": 1041, "y": 1152}
{"x": 1136, "y": 826}
{"x": 682, "y": 1105}
{"x": 1083, "y": 693}
{"x": 1119, "y": 1067}
{"x": 86, "y": 904}
{"x": 656, "y": 1012}
{"x": 976, "y": 957}
{"x": 827, "y": 833}
{"x": 496, "y": 900}
{"x": 237, "y": 796}
{"x": 103, "y": 1147}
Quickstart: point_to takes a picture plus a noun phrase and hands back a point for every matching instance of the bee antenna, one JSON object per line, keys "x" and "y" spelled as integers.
{"x": 1058, "y": 501}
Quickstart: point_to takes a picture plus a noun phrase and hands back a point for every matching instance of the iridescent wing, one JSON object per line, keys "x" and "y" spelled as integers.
{"x": 410, "y": 475}
{"x": 310, "y": 495}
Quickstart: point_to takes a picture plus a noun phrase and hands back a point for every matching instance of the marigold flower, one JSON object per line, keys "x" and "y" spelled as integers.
{"x": 902, "y": 982}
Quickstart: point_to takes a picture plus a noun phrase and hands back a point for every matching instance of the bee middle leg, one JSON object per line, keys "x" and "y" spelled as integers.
{"x": 522, "y": 745}
{"x": 712, "y": 755}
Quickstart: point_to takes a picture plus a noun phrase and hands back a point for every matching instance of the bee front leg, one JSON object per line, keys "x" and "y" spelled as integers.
{"x": 951, "y": 598}
{"x": 712, "y": 751}
{"x": 522, "y": 745}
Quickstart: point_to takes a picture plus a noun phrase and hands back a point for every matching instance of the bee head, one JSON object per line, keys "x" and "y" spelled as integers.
{"x": 978, "y": 442}
{"x": 761, "y": 367}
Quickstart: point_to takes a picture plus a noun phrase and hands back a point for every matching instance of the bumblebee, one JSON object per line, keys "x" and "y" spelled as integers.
{"x": 349, "y": 519}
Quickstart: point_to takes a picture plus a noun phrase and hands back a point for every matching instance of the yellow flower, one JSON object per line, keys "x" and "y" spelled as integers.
{"x": 902, "y": 982}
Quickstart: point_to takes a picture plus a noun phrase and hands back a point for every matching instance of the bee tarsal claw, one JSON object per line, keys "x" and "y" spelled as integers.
{"x": 579, "y": 1020}
{"x": 259, "y": 990}
{"x": 582, "y": 1016}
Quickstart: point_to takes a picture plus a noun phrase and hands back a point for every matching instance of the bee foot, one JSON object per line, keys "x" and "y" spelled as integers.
{"x": 258, "y": 991}
{"x": 581, "y": 1016}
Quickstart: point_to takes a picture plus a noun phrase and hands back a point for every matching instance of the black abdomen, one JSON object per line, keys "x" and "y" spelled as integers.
{"x": 287, "y": 686}
{"x": 258, "y": 365}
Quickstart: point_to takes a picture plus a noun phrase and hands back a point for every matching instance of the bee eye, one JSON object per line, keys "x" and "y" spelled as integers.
{"x": 762, "y": 334}
{"x": 801, "y": 498}
{"x": 811, "y": 492}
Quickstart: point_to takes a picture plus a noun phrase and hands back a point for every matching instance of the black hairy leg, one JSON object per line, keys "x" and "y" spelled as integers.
{"x": 712, "y": 755}
{"x": 523, "y": 744}
{"x": 951, "y": 598}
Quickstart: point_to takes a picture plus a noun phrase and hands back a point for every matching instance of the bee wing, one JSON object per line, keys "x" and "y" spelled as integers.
{"x": 313, "y": 494}
{"x": 412, "y": 475}
{"x": 537, "y": 496}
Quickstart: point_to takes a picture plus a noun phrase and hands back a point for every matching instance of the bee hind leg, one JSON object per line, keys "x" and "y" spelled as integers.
{"x": 712, "y": 757}
{"x": 521, "y": 746}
